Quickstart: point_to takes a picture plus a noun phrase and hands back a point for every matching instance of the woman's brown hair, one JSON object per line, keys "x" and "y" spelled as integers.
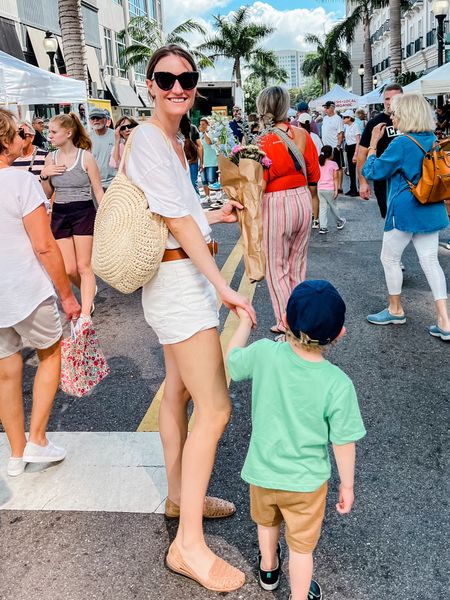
{"x": 71, "y": 121}
{"x": 8, "y": 128}
{"x": 126, "y": 118}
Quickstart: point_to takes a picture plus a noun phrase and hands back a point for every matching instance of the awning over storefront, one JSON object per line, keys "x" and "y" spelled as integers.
{"x": 9, "y": 41}
{"x": 92, "y": 63}
{"x": 143, "y": 95}
{"x": 122, "y": 93}
{"x": 37, "y": 43}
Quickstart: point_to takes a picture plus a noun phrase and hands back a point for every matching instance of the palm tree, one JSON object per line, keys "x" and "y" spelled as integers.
{"x": 346, "y": 29}
{"x": 146, "y": 36}
{"x": 237, "y": 38}
{"x": 266, "y": 69}
{"x": 395, "y": 35}
{"x": 72, "y": 34}
{"x": 328, "y": 63}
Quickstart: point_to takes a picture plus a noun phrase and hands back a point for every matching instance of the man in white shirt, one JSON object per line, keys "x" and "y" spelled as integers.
{"x": 102, "y": 144}
{"x": 352, "y": 134}
{"x": 333, "y": 135}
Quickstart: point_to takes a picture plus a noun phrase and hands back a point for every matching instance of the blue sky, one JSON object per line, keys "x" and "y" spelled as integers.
{"x": 292, "y": 20}
{"x": 337, "y": 5}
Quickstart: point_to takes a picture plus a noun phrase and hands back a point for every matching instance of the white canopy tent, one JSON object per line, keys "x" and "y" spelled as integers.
{"x": 375, "y": 96}
{"x": 22, "y": 84}
{"x": 339, "y": 96}
{"x": 434, "y": 82}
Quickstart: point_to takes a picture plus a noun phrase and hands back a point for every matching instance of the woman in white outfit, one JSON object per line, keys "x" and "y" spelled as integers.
{"x": 180, "y": 305}
{"x": 29, "y": 262}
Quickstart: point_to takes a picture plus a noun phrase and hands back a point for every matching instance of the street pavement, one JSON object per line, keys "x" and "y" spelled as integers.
{"x": 91, "y": 527}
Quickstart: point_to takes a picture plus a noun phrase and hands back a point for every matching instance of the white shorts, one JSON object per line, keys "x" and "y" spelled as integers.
{"x": 179, "y": 301}
{"x": 40, "y": 330}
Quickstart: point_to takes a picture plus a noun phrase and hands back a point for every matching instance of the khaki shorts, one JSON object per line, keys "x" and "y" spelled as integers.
{"x": 41, "y": 330}
{"x": 302, "y": 513}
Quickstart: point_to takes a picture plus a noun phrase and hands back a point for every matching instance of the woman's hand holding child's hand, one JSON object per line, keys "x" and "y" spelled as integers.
{"x": 233, "y": 300}
{"x": 346, "y": 499}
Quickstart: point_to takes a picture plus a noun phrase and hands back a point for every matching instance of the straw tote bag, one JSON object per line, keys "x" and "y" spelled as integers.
{"x": 129, "y": 240}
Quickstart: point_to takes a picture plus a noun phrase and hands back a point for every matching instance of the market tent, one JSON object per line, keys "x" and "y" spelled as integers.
{"x": 375, "y": 96}
{"x": 434, "y": 82}
{"x": 339, "y": 96}
{"x": 22, "y": 83}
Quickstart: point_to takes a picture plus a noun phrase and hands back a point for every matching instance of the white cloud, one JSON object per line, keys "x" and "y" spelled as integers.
{"x": 291, "y": 26}
{"x": 177, "y": 11}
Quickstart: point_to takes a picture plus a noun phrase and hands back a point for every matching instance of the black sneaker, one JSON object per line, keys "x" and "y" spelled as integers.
{"x": 315, "y": 591}
{"x": 270, "y": 580}
{"x": 323, "y": 230}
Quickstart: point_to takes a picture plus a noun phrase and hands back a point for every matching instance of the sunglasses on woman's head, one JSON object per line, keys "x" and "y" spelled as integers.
{"x": 165, "y": 80}
{"x": 125, "y": 127}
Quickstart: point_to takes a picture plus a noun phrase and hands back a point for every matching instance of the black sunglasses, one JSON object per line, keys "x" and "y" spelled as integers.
{"x": 124, "y": 127}
{"x": 165, "y": 80}
{"x": 22, "y": 133}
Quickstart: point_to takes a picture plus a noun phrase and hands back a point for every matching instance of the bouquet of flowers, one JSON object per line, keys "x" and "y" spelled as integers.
{"x": 241, "y": 178}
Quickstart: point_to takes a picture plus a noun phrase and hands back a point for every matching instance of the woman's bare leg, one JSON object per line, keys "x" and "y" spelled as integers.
{"x": 11, "y": 402}
{"x": 200, "y": 364}
{"x": 45, "y": 387}
{"x": 173, "y": 424}
{"x": 67, "y": 247}
{"x": 83, "y": 253}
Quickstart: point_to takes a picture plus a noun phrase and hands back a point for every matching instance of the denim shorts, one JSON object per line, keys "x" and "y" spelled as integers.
{"x": 73, "y": 218}
{"x": 209, "y": 175}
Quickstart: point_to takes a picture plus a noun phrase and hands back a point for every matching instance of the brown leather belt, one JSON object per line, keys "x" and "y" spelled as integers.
{"x": 180, "y": 254}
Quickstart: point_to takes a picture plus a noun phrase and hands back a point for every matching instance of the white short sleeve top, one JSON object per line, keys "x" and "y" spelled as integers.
{"x": 24, "y": 282}
{"x": 154, "y": 166}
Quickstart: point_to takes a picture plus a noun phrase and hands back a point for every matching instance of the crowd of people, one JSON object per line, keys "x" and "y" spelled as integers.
{"x": 46, "y": 230}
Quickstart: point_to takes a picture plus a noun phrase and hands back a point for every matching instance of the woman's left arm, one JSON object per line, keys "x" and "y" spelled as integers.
{"x": 94, "y": 176}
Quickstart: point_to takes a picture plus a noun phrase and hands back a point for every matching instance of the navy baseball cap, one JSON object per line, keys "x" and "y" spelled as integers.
{"x": 302, "y": 106}
{"x": 316, "y": 309}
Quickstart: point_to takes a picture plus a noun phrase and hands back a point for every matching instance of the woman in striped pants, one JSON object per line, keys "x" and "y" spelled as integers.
{"x": 287, "y": 199}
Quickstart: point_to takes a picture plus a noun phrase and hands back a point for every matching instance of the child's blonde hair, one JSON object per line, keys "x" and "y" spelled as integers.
{"x": 304, "y": 342}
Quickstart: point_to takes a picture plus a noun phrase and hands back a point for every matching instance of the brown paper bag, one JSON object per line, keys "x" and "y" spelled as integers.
{"x": 243, "y": 183}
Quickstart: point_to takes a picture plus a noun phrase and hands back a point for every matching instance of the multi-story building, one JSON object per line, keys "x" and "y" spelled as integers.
{"x": 23, "y": 24}
{"x": 419, "y": 43}
{"x": 291, "y": 61}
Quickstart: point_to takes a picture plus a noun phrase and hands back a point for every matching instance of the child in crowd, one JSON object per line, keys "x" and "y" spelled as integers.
{"x": 299, "y": 404}
{"x": 327, "y": 188}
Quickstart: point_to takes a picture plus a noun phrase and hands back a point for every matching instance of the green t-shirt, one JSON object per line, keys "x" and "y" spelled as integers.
{"x": 298, "y": 407}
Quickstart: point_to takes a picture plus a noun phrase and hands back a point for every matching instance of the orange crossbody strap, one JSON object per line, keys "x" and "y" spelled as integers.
{"x": 423, "y": 150}
{"x": 416, "y": 142}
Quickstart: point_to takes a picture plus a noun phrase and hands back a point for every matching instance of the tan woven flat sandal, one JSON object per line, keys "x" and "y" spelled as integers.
{"x": 214, "y": 508}
{"x": 222, "y": 577}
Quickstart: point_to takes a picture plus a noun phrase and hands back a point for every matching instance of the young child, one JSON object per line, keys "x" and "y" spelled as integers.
{"x": 327, "y": 188}
{"x": 300, "y": 403}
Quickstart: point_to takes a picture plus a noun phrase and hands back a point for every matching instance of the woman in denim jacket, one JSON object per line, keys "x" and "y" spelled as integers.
{"x": 407, "y": 220}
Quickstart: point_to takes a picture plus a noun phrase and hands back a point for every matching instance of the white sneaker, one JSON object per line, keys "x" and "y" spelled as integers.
{"x": 448, "y": 245}
{"x": 34, "y": 453}
{"x": 16, "y": 466}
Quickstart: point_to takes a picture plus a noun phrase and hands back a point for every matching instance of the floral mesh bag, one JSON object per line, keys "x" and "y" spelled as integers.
{"x": 83, "y": 363}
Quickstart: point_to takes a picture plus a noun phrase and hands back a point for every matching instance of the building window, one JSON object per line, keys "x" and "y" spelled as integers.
{"x": 119, "y": 2}
{"x": 140, "y": 71}
{"x": 109, "y": 59}
{"x": 137, "y": 8}
{"x": 120, "y": 47}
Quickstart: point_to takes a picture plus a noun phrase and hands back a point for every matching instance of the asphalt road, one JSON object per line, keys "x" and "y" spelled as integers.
{"x": 394, "y": 544}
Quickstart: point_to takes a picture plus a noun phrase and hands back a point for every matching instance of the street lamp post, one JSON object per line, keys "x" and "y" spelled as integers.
{"x": 51, "y": 47}
{"x": 361, "y": 74}
{"x": 440, "y": 10}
